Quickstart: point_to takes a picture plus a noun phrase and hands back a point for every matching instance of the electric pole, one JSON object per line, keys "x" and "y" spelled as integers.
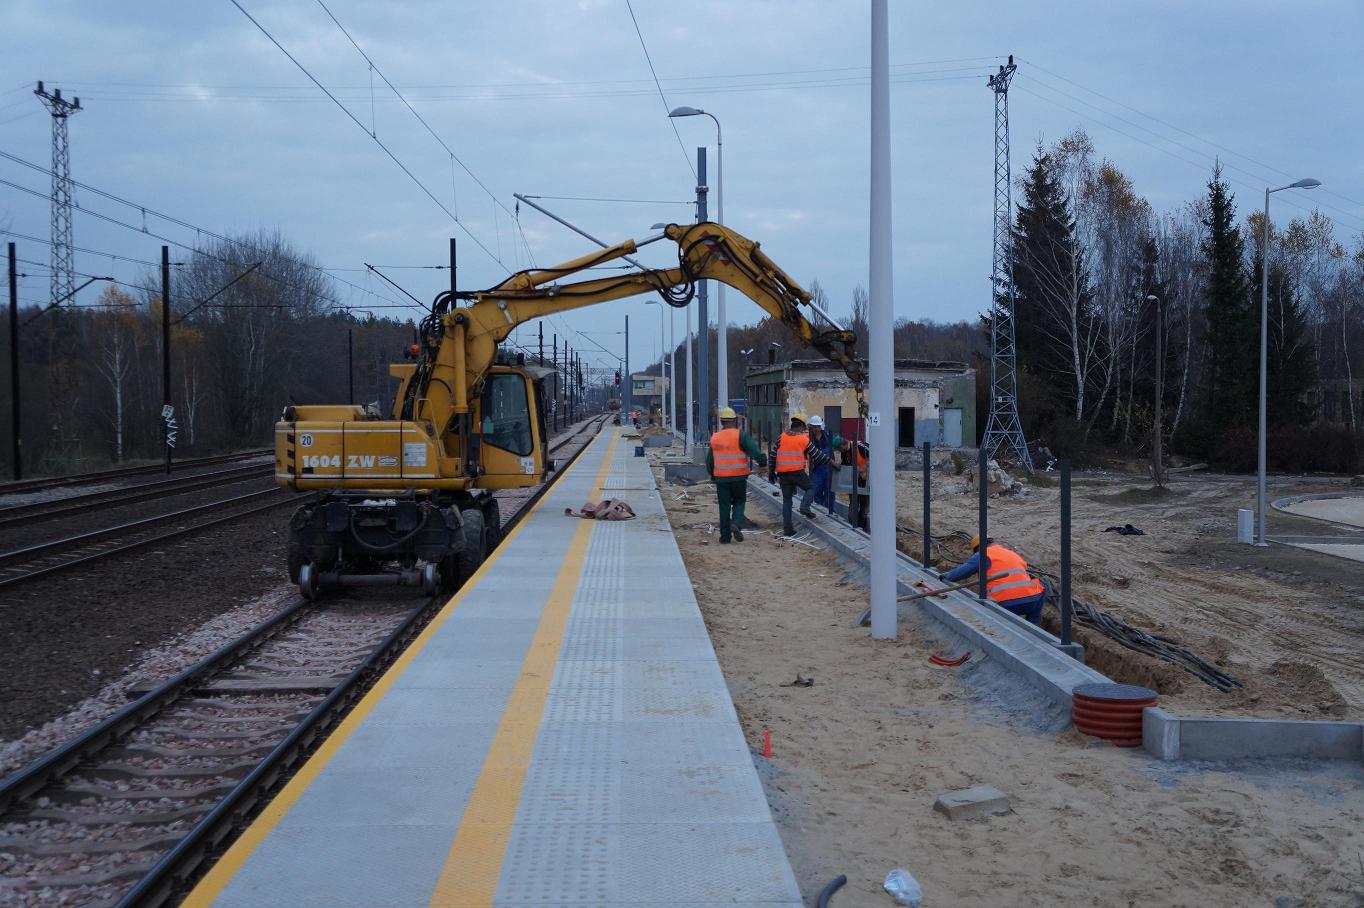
{"x": 705, "y": 408}
{"x": 15, "y": 437}
{"x": 1004, "y": 429}
{"x": 63, "y": 280}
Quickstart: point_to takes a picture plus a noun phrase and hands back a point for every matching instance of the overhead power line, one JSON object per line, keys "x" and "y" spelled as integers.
{"x": 170, "y": 219}
{"x": 1186, "y": 132}
{"x": 1202, "y": 165}
{"x": 427, "y": 126}
{"x": 549, "y": 92}
{"x": 356, "y": 120}
{"x": 666, "y": 109}
{"x": 199, "y": 87}
{"x": 1164, "y": 138}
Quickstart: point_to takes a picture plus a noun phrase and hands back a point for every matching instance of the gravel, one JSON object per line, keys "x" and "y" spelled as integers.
{"x": 187, "y": 631}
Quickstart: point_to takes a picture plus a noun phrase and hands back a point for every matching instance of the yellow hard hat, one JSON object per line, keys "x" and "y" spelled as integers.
{"x": 800, "y": 418}
{"x": 728, "y": 413}
{"x": 975, "y": 541}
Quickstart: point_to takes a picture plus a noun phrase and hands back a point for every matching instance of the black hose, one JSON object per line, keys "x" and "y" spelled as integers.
{"x": 827, "y": 892}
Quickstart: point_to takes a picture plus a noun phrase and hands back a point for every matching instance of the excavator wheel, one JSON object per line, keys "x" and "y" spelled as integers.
{"x": 475, "y": 548}
{"x": 492, "y": 519}
{"x": 296, "y": 559}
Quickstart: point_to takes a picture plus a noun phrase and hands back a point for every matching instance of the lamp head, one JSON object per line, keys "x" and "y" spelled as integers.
{"x": 659, "y": 226}
{"x": 1308, "y": 183}
{"x": 685, "y": 111}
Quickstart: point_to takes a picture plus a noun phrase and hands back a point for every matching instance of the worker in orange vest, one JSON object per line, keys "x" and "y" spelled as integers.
{"x": 791, "y": 466}
{"x": 727, "y": 461}
{"x": 1007, "y": 581}
{"x": 859, "y": 502}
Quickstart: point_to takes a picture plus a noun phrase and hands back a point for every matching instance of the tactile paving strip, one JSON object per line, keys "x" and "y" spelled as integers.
{"x": 641, "y": 789}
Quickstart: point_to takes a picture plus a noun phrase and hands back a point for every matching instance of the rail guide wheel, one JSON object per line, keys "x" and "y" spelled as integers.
{"x": 430, "y": 580}
{"x": 307, "y": 581}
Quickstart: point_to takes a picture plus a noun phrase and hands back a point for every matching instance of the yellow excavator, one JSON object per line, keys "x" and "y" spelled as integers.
{"x": 407, "y": 500}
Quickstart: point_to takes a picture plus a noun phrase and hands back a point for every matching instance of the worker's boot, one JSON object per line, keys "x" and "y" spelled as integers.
{"x": 738, "y": 534}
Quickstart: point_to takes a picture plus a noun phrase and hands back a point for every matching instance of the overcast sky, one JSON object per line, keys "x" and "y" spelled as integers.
{"x": 189, "y": 109}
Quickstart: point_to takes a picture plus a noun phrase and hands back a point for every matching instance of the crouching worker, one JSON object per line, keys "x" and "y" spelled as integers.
{"x": 727, "y": 461}
{"x": 1007, "y": 583}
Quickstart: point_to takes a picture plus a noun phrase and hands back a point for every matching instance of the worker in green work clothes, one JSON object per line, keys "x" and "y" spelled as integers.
{"x": 727, "y": 462}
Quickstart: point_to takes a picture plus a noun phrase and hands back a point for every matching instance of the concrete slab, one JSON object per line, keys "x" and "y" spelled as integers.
{"x": 1343, "y": 508}
{"x": 972, "y": 803}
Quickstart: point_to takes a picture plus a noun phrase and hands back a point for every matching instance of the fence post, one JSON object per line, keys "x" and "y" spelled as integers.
{"x": 983, "y": 483}
{"x": 1067, "y": 606}
{"x": 928, "y": 532}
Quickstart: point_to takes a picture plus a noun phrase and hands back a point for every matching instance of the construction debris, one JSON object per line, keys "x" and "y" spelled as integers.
{"x": 1000, "y": 482}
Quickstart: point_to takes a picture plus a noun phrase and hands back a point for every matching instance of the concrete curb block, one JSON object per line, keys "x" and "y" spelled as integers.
{"x": 1028, "y": 651}
{"x": 1170, "y": 737}
{"x": 1032, "y": 654}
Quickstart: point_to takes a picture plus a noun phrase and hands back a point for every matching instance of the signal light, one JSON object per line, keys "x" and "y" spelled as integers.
{"x": 617, "y": 376}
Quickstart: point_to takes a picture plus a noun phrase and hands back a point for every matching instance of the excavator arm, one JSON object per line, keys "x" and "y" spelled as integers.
{"x": 460, "y": 346}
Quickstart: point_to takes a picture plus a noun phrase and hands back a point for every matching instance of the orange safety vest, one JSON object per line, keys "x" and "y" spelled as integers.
{"x": 730, "y": 459}
{"x": 791, "y": 452}
{"x": 1015, "y": 582}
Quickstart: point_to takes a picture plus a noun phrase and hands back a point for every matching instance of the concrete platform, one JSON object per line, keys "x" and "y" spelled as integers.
{"x": 561, "y": 734}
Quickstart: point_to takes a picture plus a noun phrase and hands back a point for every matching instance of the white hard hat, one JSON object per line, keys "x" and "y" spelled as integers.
{"x": 817, "y": 421}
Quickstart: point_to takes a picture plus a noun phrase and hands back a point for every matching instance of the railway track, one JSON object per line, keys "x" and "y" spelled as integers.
{"x": 107, "y": 498}
{"x": 56, "y": 482}
{"x": 128, "y": 811}
{"x": 47, "y": 558}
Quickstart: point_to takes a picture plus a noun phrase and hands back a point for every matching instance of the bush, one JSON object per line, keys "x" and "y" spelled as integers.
{"x": 1315, "y": 449}
{"x": 1289, "y": 449}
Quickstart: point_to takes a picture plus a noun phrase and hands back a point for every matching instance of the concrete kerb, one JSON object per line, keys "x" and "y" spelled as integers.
{"x": 1024, "y": 650}
{"x": 1169, "y": 737}
{"x": 1033, "y": 654}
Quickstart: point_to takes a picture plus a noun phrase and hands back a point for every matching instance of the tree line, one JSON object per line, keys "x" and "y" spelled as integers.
{"x": 91, "y": 376}
{"x": 1097, "y": 272}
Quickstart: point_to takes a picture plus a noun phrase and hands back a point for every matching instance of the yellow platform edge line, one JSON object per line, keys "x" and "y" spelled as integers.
{"x": 473, "y": 866}
{"x": 211, "y": 886}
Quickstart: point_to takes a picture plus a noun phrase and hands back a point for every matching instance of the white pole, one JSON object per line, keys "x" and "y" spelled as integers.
{"x": 691, "y": 371}
{"x": 672, "y": 373}
{"x": 881, "y": 326}
{"x": 722, "y": 329}
{"x": 1264, "y": 375}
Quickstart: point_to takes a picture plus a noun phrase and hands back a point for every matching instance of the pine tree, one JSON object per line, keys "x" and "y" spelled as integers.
{"x": 1233, "y": 329}
{"x": 1053, "y": 304}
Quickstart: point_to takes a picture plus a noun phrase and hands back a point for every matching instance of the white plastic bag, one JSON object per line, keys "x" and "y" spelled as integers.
{"x": 902, "y": 886}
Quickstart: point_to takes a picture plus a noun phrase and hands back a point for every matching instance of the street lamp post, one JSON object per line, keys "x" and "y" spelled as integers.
{"x": 1264, "y": 357}
{"x": 722, "y": 326}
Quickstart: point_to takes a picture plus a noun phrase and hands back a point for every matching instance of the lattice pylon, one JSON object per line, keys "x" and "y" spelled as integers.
{"x": 1003, "y": 429}
{"x": 63, "y": 284}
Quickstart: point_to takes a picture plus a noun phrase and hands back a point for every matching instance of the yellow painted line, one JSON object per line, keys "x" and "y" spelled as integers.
{"x": 227, "y": 867}
{"x": 474, "y": 863}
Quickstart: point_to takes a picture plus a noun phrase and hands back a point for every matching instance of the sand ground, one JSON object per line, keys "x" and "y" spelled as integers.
{"x": 859, "y": 757}
{"x": 1286, "y": 621}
